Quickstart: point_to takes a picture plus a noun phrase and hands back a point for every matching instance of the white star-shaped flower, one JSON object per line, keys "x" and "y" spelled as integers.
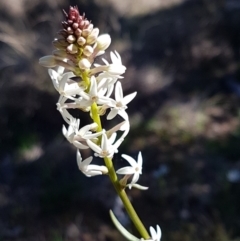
{"x": 135, "y": 169}
{"x": 61, "y": 107}
{"x": 78, "y": 136}
{"x": 114, "y": 69}
{"x": 123, "y": 126}
{"x": 94, "y": 95}
{"x": 107, "y": 148}
{"x": 88, "y": 169}
{"x": 120, "y": 104}
{"x": 70, "y": 132}
{"x": 62, "y": 82}
{"x": 155, "y": 235}
{"x": 56, "y": 75}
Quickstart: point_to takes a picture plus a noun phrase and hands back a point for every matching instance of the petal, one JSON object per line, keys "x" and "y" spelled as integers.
{"x": 85, "y": 95}
{"x": 104, "y": 142}
{"x": 129, "y": 98}
{"x": 130, "y": 160}
{"x": 79, "y": 145}
{"x": 119, "y": 60}
{"x": 53, "y": 74}
{"x": 66, "y": 116}
{"x": 116, "y": 128}
{"x": 92, "y": 135}
{"x": 112, "y": 138}
{"x": 153, "y": 233}
{"x": 60, "y": 70}
{"x": 123, "y": 114}
{"x": 118, "y": 92}
{"x": 121, "y": 229}
{"x": 93, "y": 88}
{"x": 112, "y": 114}
{"x": 135, "y": 177}
{"x": 110, "y": 90}
{"x": 140, "y": 187}
{"x": 113, "y": 58}
{"x": 63, "y": 82}
{"x": 159, "y": 233}
{"x": 102, "y": 169}
{"x": 92, "y": 173}
{"x": 84, "y": 130}
{"x": 79, "y": 159}
{"x": 94, "y": 147}
{"x": 104, "y": 100}
{"x": 64, "y": 131}
{"x": 125, "y": 171}
{"x": 140, "y": 159}
{"x": 105, "y": 61}
{"x": 87, "y": 161}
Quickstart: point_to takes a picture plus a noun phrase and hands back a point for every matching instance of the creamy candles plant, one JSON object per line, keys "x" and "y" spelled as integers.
{"x": 98, "y": 92}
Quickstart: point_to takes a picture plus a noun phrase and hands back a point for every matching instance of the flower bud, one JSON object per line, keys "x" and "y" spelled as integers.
{"x": 93, "y": 36}
{"x": 75, "y": 25}
{"x": 63, "y": 42}
{"x": 48, "y": 61}
{"x": 63, "y": 33}
{"x": 116, "y": 69}
{"x": 90, "y": 27}
{"x": 86, "y": 32}
{"x": 84, "y": 64}
{"x": 71, "y": 39}
{"x": 69, "y": 30}
{"x": 103, "y": 42}
{"x": 72, "y": 49}
{"x": 60, "y": 43}
{"x": 88, "y": 50}
{"x": 60, "y": 53}
{"x": 81, "y": 41}
{"x": 78, "y": 32}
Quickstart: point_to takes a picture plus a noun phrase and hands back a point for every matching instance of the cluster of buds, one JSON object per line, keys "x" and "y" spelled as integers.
{"x": 92, "y": 92}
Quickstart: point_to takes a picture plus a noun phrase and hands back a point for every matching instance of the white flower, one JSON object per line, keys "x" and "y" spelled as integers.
{"x": 48, "y": 61}
{"x": 78, "y": 136}
{"x": 103, "y": 42}
{"x": 137, "y": 186}
{"x": 120, "y": 104}
{"x": 84, "y": 133}
{"x": 94, "y": 95}
{"x": 56, "y": 75}
{"x": 156, "y": 236}
{"x": 135, "y": 169}
{"x": 90, "y": 170}
{"x": 107, "y": 148}
{"x": 70, "y": 132}
{"x": 123, "y": 126}
{"x": 84, "y": 64}
{"x": 62, "y": 82}
{"x": 114, "y": 69}
{"x": 61, "y": 107}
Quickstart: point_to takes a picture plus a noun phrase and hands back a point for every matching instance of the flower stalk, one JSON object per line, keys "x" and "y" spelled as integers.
{"x": 75, "y": 54}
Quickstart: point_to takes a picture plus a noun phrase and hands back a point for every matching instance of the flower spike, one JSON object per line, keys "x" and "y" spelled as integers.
{"x": 95, "y": 89}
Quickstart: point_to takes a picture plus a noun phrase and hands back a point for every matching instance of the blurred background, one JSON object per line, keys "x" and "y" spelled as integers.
{"x": 183, "y": 59}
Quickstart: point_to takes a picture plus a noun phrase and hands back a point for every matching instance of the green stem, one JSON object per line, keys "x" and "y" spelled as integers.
{"x": 112, "y": 173}
{"x": 85, "y": 78}
{"x": 120, "y": 191}
{"x": 96, "y": 117}
{"x": 126, "y": 202}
